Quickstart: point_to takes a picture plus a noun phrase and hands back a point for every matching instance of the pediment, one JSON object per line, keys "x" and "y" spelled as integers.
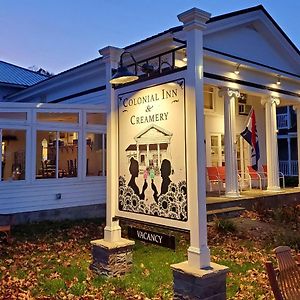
{"x": 153, "y": 131}
{"x": 256, "y": 37}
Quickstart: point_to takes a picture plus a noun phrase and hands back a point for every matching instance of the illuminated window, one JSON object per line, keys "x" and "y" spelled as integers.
{"x": 57, "y": 117}
{"x": 57, "y": 154}
{"x": 44, "y": 149}
{"x": 209, "y": 97}
{"x": 95, "y": 154}
{"x": 13, "y": 148}
{"x": 217, "y": 150}
{"x": 96, "y": 118}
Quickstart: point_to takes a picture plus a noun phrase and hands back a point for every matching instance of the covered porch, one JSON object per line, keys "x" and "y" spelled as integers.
{"x": 237, "y": 166}
{"x": 255, "y": 199}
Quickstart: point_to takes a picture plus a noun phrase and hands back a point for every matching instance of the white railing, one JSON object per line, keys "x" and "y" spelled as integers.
{"x": 288, "y": 168}
{"x": 282, "y": 121}
{"x": 294, "y": 168}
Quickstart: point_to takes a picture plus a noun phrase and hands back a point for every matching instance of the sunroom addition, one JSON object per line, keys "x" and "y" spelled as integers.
{"x": 48, "y": 142}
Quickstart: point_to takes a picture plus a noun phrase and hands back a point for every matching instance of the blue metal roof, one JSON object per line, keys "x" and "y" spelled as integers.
{"x": 11, "y": 74}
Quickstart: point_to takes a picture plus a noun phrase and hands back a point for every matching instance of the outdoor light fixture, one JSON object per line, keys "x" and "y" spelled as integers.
{"x": 147, "y": 69}
{"x": 185, "y": 56}
{"x": 278, "y": 82}
{"x": 169, "y": 67}
{"x": 237, "y": 69}
{"x": 123, "y": 75}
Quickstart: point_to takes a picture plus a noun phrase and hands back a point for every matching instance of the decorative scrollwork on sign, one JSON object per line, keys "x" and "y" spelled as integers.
{"x": 180, "y": 83}
{"x": 171, "y": 205}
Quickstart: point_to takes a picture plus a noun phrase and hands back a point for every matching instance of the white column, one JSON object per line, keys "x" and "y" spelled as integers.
{"x": 242, "y": 162}
{"x": 112, "y": 230}
{"x": 194, "y": 21}
{"x": 232, "y": 185}
{"x": 297, "y": 109}
{"x": 271, "y": 143}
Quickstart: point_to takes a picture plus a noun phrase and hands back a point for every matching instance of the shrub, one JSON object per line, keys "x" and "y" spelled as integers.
{"x": 224, "y": 225}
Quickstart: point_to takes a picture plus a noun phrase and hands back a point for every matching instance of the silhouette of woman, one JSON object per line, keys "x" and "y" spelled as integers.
{"x": 134, "y": 171}
{"x": 165, "y": 172}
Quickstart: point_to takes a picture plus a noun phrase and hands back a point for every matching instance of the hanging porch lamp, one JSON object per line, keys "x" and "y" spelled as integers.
{"x": 123, "y": 75}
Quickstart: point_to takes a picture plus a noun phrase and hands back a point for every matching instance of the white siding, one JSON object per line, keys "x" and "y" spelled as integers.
{"x": 16, "y": 197}
{"x": 93, "y": 98}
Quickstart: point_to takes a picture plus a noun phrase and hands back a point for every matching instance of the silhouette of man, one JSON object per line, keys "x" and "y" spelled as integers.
{"x": 134, "y": 171}
{"x": 165, "y": 172}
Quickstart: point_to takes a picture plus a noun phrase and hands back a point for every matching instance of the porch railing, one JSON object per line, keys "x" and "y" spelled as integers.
{"x": 288, "y": 168}
{"x": 282, "y": 121}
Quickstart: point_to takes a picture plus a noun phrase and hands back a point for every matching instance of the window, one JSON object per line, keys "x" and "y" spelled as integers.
{"x": 217, "y": 150}
{"x": 208, "y": 97}
{"x": 96, "y": 118}
{"x": 17, "y": 116}
{"x": 57, "y": 117}
{"x": 56, "y": 154}
{"x": 13, "y": 153}
{"x": 95, "y": 154}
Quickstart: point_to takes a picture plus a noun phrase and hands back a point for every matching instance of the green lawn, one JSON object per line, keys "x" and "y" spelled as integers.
{"x": 51, "y": 261}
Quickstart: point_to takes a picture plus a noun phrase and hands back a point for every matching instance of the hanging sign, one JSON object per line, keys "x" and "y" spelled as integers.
{"x": 152, "y": 155}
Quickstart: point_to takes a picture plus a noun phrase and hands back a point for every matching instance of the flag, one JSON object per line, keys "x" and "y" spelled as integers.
{"x": 250, "y": 135}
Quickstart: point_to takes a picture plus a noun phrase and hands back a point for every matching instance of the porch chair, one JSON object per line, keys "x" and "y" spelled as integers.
{"x": 213, "y": 177}
{"x": 284, "y": 281}
{"x": 281, "y": 175}
{"x": 255, "y": 176}
{"x": 222, "y": 173}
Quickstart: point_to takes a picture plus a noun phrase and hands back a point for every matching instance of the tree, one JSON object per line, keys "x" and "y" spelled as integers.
{"x": 40, "y": 71}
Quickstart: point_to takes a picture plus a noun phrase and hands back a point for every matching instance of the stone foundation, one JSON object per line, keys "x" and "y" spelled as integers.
{"x": 112, "y": 259}
{"x": 191, "y": 283}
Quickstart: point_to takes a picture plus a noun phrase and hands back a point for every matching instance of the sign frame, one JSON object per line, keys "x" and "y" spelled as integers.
{"x": 183, "y": 224}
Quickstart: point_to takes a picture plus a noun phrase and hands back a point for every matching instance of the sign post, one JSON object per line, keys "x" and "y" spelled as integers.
{"x": 197, "y": 277}
{"x": 112, "y": 256}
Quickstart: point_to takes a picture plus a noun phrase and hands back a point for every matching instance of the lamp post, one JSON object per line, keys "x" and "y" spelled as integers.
{"x": 112, "y": 255}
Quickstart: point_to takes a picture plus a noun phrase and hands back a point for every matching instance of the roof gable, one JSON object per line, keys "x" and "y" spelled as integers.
{"x": 253, "y": 35}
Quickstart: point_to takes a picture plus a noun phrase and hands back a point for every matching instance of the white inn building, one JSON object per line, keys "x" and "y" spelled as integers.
{"x": 53, "y": 129}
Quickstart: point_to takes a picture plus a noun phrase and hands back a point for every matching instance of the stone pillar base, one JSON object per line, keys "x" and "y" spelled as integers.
{"x": 192, "y": 283}
{"x": 111, "y": 258}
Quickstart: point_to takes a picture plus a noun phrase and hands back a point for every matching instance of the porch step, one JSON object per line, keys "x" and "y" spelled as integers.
{"x": 224, "y": 213}
{"x": 222, "y": 202}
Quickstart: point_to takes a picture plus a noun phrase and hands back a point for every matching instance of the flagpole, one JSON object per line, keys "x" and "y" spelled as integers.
{"x": 242, "y": 161}
{"x": 248, "y": 116}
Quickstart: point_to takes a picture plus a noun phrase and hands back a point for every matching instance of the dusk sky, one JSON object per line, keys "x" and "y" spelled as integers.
{"x": 59, "y": 34}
